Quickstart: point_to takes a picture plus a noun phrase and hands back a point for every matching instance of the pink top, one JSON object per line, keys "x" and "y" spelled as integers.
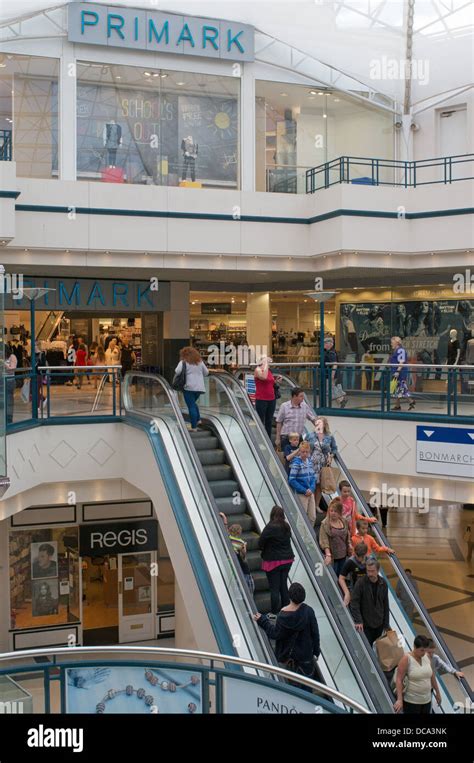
{"x": 264, "y": 387}
{"x": 269, "y": 566}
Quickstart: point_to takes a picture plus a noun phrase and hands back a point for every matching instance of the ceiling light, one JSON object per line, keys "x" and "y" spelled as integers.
{"x": 325, "y": 116}
{"x": 320, "y": 93}
{"x": 26, "y": 250}
{"x": 180, "y": 83}
{"x": 117, "y": 76}
{"x": 2, "y": 66}
{"x": 284, "y": 94}
{"x": 147, "y": 74}
{"x": 163, "y": 76}
{"x": 336, "y": 100}
{"x": 67, "y": 251}
{"x": 313, "y": 92}
{"x": 107, "y": 252}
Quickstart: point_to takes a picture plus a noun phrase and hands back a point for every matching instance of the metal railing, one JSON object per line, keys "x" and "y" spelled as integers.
{"x": 392, "y": 172}
{"x": 5, "y": 145}
{"x": 211, "y": 668}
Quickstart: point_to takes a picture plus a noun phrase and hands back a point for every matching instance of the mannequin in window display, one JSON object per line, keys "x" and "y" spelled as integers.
{"x": 454, "y": 349}
{"x": 190, "y": 151}
{"x": 112, "y": 138}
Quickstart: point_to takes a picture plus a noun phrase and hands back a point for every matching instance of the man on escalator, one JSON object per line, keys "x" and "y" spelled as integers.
{"x": 369, "y": 603}
{"x": 296, "y": 634}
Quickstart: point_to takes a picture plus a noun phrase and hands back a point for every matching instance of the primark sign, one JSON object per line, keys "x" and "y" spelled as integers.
{"x": 159, "y": 32}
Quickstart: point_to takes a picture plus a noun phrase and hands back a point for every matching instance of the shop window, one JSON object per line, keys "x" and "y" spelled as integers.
{"x": 299, "y": 127}
{"x": 157, "y": 127}
{"x": 29, "y": 114}
{"x": 44, "y": 577}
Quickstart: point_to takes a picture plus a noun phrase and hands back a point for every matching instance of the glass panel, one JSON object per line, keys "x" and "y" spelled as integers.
{"x": 157, "y": 127}
{"x": 136, "y": 584}
{"x": 29, "y": 114}
{"x": 7, "y": 390}
{"x": 299, "y": 127}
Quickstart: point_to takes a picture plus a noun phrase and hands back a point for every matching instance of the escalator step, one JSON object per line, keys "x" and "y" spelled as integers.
{"x": 261, "y": 580}
{"x": 205, "y": 443}
{"x": 224, "y": 488}
{"x": 251, "y": 539}
{"x": 263, "y": 602}
{"x": 229, "y": 506}
{"x": 218, "y": 472}
{"x": 254, "y": 560}
{"x": 244, "y": 520}
{"x": 211, "y": 457}
{"x": 201, "y": 434}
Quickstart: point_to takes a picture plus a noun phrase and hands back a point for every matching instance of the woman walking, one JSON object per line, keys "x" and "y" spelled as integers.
{"x": 324, "y": 448}
{"x": 399, "y": 375}
{"x": 194, "y": 386}
{"x": 277, "y": 557}
{"x": 265, "y": 398}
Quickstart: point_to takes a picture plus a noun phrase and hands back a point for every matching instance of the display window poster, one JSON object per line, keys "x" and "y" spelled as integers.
{"x": 422, "y": 325}
{"x": 45, "y": 597}
{"x": 133, "y": 690}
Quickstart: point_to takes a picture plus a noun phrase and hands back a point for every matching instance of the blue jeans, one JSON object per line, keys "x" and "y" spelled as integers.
{"x": 191, "y": 399}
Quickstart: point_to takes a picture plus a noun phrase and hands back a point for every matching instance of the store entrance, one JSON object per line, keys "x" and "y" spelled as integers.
{"x": 100, "y": 616}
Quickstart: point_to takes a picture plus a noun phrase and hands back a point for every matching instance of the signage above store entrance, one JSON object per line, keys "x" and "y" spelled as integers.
{"x": 159, "y": 32}
{"x": 114, "y": 538}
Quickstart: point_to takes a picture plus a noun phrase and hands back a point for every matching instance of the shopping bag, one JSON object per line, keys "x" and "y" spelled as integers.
{"x": 389, "y": 652}
{"x": 337, "y": 392}
{"x": 393, "y": 386}
{"x": 25, "y": 391}
{"x": 327, "y": 480}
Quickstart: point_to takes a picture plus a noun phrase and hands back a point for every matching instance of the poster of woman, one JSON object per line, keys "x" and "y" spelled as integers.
{"x": 45, "y": 598}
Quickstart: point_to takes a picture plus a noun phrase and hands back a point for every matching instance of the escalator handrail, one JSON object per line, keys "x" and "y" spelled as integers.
{"x": 395, "y": 562}
{"x": 204, "y": 485}
{"x": 414, "y": 596}
{"x": 332, "y": 616}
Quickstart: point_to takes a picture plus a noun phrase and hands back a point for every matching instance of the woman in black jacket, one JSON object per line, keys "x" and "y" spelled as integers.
{"x": 277, "y": 557}
{"x": 296, "y": 633}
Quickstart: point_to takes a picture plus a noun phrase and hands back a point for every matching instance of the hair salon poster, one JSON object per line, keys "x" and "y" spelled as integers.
{"x": 133, "y": 690}
{"x": 423, "y": 326}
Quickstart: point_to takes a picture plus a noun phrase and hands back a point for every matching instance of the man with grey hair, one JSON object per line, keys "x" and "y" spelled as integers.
{"x": 369, "y": 602}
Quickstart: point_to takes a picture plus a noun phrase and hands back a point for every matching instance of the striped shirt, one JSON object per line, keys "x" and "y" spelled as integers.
{"x": 293, "y": 417}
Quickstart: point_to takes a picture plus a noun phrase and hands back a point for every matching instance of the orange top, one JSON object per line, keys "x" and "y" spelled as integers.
{"x": 370, "y": 542}
{"x": 350, "y": 513}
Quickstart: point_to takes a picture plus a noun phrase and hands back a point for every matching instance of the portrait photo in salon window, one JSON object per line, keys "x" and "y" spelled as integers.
{"x": 45, "y": 598}
{"x": 44, "y": 560}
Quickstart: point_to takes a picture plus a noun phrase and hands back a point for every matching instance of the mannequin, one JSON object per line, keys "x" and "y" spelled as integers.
{"x": 190, "y": 151}
{"x": 454, "y": 348}
{"x": 112, "y": 138}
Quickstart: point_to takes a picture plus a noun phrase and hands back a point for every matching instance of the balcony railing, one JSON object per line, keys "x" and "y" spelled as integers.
{"x": 392, "y": 172}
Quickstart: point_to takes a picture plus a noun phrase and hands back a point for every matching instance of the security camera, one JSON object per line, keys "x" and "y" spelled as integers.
{"x": 414, "y": 126}
{"x": 398, "y": 125}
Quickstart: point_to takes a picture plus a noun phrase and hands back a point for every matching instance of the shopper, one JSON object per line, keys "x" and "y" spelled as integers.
{"x": 127, "y": 357}
{"x": 303, "y": 480}
{"x": 416, "y": 671}
{"x": 468, "y": 538}
{"x": 99, "y": 360}
{"x": 292, "y": 417}
{"x": 81, "y": 361}
{"x": 330, "y": 362}
{"x": 404, "y": 596}
{"x": 295, "y": 632}
{"x": 399, "y": 374}
{"x": 277, "y": 557}
{"x": 291, "y": 450}
{"x": 438, "y": 664}
{"x": 335, "y": 537}
{"x": 354, "y": 568}
{"x": 349, "y": 509}
{"x": 194, "y": 386}
{"x": 265, "y": 397}
{"x": 324, "y": 448}
{"x": 112, "y": 357}
{"x": 372, "y": 545}
{"x": 10, "y": 366}
{"x": 369, "y": 603}
{"x": 240, "y": 548}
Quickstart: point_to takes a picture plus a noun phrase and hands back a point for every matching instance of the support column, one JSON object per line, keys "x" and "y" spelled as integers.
{"x": 67, "y": 114}
{"x": 247, "y": 129}
{"x": 175, "y": 326}
{"x": 259, "y": 322}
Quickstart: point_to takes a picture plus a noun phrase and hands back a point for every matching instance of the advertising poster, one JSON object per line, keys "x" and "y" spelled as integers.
{"x": 246, "y": 697}
{"x": 213, "y": 125}
{"x": 133, "y": 690}
{"x": 45, "y": 597}
{"x": 44, "y": 560}
{"x": 423, "y": 326}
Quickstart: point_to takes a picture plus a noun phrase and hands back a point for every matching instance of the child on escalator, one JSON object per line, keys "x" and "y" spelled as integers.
{"x": 240, "y": 548}
{"x": 349, "y": 508}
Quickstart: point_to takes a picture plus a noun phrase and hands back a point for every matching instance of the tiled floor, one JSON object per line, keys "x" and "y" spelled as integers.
{"x": 431, "y": 546}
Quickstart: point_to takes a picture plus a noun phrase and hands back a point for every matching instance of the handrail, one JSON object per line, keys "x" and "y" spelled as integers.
{"x": 316, "y": 364}
{"x": 203, "y": 482}
{"x": 200, "y": 655}
{"x": 414, "y": 596}
{"x": 295, "y": 533}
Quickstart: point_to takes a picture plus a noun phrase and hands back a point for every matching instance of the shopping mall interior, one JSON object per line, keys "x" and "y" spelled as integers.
{"x": 299, "y": 218}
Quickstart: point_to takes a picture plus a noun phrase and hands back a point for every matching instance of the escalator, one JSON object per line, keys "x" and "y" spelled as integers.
{"x": 218, "y": 470}
{"x": 453, "y": 691}
{"x": 225, "y": 487}
{"x": 49, "y": 325}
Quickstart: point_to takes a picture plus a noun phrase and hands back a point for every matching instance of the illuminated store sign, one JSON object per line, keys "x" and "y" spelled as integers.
{"x": 159, "y": 32}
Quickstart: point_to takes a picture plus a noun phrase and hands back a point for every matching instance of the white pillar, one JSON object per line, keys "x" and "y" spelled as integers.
{"x": 247, "y": 129}
{"x": 67, "y": 114}
{"x": 259, "y": 321}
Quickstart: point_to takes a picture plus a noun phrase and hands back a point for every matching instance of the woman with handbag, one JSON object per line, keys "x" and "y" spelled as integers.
{"x": 324, "y": 448}
{"x": 189, "y": 378}
{"x": 266, "y": 392}
{"x": 296, "y": 634}
{"x": 335, "y": 537}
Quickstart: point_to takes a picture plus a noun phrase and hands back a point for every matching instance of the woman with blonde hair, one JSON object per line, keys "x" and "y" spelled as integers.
{"x": 324, "y": 448}
{"x": 194, "y": 386}
{"x": 335, "y": 537}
